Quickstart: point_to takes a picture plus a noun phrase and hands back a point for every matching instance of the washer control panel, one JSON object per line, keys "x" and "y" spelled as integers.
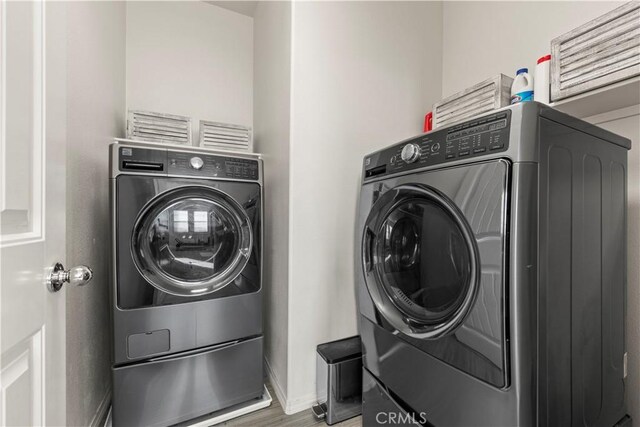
{"x": 180, "y": 163}
{"x": 479, "y": 137}
{"x": 166, "y": 162}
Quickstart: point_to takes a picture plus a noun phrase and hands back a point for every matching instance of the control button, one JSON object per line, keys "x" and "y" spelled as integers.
{"x": 482, "y": 121}
{"x": 196, "y": 163}
{"x": 463, "y": 153}
{"x": 410, "y": 153}
{"x": 491, "y": 118}
{"x": 435, "y": 147}
{"x": 496, "y": 147}
{"x": 502, "y": 116}
{"x": 466, "y": 125}
{"x": 479, "y": 150}
{"x": 451, "y": 155}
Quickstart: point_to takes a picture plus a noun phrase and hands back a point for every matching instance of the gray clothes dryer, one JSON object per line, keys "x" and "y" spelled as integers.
{"x": 491, "y": 274}
{"x": 186, "y": 288}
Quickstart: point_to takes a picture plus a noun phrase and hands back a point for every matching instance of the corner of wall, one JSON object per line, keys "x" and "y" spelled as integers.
{"x": 126, "y": 69}
{"x": 299, "y": 404}
{"x": 289, "y": 406}
{"x": 272, "y": 111}
{"x": 286, "y": 404}
{"x": 441, "y": 50}
{"x": 276, "y": 383}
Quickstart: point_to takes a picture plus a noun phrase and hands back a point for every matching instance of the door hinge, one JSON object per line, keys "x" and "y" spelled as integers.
{"x": 624, "y": 365}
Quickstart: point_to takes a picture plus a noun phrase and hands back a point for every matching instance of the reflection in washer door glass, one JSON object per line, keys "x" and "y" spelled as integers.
{"x": 422, "y": 261}
{"x": 193, "y": 240}
{"x": 180, "y": 221}
{"x": 200, "y": 221}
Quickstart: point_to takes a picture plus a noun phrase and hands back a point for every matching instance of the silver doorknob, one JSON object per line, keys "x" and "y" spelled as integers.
{"x": 77, "y": 276}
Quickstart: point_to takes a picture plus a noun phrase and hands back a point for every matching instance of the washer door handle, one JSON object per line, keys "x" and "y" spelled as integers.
{"x": 367, "y": 249}
{"x": 58, "y": 276}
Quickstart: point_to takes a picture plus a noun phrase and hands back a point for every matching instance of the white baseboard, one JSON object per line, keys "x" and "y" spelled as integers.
{"x": 108, "y": 422}
{"x": 222, "y": 415}
{"x": 101, "y": 415}
{"x": 300, "y": 404}
{"x": 277, "y": 385}
{"x": 234, "y": 411}
{"x": 289, "y": 406}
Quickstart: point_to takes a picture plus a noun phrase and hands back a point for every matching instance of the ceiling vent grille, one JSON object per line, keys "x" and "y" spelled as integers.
{"x": 158, "y": 127}
{"x": 601, "y": 52}
{"x": 483, "y": 97}
{"x": 225, "y": 136}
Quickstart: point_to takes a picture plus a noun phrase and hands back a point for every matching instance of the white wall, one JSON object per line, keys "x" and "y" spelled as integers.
{"x": 272, "y": 90}
{"x": 482, "y": 39}
{"x": 95, "y": 113}
{"x": 363, "y": 76}
{"x": 190, "y": 58}
{"x": 472, "y": 53}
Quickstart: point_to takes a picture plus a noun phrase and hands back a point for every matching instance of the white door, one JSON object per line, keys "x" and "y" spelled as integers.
{"x": 32, "y": 206}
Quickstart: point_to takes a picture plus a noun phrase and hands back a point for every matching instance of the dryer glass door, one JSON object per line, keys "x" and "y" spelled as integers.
{"x": 421, "y": 261}
{"x": 191, "y": 241}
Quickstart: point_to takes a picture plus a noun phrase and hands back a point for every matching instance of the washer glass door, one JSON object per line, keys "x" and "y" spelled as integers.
{"x": 421, "y": 261}
{"x": 191, "y": 241}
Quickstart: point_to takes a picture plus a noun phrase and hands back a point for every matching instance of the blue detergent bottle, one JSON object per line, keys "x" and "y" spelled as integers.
{"x": 522, "y": 87}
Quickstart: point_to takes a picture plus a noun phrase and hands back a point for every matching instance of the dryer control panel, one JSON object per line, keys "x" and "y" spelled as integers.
{"x": 167, "y": 162}
{"x": 478, "y": 137}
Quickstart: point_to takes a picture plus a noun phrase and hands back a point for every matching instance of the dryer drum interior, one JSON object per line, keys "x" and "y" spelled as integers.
{"x": 191, "y": 241}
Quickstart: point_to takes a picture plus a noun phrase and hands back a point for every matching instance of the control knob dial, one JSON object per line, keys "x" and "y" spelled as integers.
{"x": 410, "y": 153}
{"x": 196, "y": 163}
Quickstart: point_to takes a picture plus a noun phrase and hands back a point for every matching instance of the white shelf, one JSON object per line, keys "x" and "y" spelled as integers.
{"x": 608, "y": 98}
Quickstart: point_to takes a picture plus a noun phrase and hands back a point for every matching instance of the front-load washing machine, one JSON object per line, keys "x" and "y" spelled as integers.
{"x": 491, "y": 274}
{"x": 186, "y": 286}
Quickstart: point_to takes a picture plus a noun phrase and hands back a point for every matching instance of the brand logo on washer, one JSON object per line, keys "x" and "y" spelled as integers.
{"x": 127, "y": 152}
